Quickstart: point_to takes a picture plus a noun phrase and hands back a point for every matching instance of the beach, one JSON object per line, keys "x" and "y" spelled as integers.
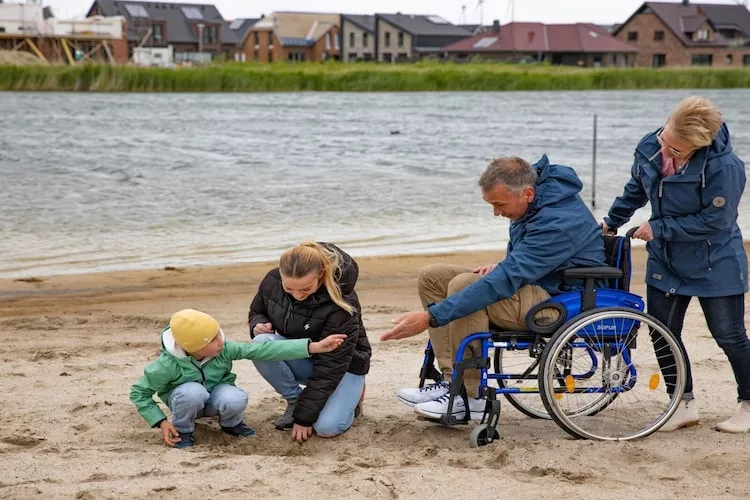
{"x": 72, "y": 345}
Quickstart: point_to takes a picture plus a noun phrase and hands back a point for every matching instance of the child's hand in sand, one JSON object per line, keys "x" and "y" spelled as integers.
{"x": 169, "y": 433}
{"x": 328, "y": 344}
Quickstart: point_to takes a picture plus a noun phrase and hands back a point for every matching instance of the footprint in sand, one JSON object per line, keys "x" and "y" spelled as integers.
{"x": 22, "y": 441}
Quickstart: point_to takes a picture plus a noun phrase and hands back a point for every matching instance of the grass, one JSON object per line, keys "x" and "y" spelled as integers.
{"x": 427, "y": 76}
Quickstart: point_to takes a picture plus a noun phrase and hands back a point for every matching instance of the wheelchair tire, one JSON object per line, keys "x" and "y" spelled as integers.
{"x": 600, "y": 328}
{"x": 480, "y": 436}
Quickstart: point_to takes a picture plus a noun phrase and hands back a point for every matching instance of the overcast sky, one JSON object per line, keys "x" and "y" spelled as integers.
{"x": 546, "y": 11}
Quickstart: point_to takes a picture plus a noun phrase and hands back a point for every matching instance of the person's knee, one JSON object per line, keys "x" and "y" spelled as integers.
{"x": 328, "y": 427}
{"x": 265, "y": 337}
{"x": 461, "y": 281}
{"x": 190, "y": 394}
{"x": 732, "y": 340}
{"x": 427, "y": 275}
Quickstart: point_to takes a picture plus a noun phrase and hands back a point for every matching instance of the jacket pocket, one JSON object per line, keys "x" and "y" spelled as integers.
{"x": 690, "y": 260}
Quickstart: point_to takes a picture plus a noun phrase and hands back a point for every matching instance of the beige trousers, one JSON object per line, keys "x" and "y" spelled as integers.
{"x": 438, "y": 281}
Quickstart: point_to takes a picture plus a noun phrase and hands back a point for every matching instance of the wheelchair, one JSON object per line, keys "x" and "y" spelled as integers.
{"x": 585, "y": 369}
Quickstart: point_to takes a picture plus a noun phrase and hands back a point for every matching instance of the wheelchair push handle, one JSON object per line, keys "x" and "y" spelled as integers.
{"x": 628, "y": 235}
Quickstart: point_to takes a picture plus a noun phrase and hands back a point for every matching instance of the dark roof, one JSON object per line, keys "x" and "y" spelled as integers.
{"x": 240, "y": 27}
{"x": 365, "y": 22}
{"x": 174, "y": 14}
{"x": 424, "y": 25}
{"x": 683, "y": 20}
{"x": 550, "y": 38}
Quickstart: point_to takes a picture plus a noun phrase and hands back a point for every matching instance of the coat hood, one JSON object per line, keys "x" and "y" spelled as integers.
{"x": 554, "y": 184}
{"x": 170, "y": 346}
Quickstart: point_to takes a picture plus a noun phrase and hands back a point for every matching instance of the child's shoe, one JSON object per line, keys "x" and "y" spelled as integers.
{"x": 239, "y": 430}
{"x": 186, "y": 440}
{"x": 739, "y": 423}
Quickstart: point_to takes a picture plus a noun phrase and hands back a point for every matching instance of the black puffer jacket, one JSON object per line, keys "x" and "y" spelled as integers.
{"x": 317, "y": 317}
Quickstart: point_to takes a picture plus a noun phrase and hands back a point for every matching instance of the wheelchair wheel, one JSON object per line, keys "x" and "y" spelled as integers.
{"x": 480, "y": 436}
{"x": 628, "y": 375}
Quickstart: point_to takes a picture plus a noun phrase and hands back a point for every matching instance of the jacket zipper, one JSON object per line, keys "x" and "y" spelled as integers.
{"x": 708, "y": 252}
{"x": 200, "y": 369}
{"x": 288, "y": 316}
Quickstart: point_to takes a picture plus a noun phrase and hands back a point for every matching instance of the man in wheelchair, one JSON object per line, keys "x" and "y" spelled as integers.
{"x": 551, "y": 230}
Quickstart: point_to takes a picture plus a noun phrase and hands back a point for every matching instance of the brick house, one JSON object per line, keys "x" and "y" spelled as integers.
{"x": 405, "y": 37}
{"x": 240, "y": 27}
{"x": 685, "y": 34}
{"x": 581, "y": 44}
{"x": 357, "y": 38}
{"x": 293, "y": 36}
{"x": 196, "y": 32}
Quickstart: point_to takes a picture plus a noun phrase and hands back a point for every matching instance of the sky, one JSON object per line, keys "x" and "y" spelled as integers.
{"x": 546, "y": 11}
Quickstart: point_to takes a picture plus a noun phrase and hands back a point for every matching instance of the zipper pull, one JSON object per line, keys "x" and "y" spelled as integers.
{"x": 661, "y": 188}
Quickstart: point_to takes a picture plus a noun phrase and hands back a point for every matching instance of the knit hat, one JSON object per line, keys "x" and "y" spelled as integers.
{"x": 193, "y": 330}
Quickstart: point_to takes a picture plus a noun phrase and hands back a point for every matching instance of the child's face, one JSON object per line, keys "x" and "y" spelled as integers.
{"x": 212, "y": 349}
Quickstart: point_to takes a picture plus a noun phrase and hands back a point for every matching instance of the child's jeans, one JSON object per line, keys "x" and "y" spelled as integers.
{"x": 191, "y": 400}
{"x": 286, "y": 376}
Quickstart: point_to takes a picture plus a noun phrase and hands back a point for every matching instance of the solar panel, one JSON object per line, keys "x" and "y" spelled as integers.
{"x": 192, "y": 13}
{"x": 236, "y": 24}
{"x": 437, "y": 20}
{"x": 136, "y": 10}
{"x": 485, "y": 42}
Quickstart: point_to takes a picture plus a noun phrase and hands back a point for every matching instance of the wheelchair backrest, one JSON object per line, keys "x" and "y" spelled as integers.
{"x": 617, "y": 254}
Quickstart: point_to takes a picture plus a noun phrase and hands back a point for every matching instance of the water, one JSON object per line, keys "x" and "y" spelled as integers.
{"x": 98, "y": 182}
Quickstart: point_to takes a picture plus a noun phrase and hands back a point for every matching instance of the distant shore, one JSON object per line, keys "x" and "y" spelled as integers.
{"x": 361, "y": 77}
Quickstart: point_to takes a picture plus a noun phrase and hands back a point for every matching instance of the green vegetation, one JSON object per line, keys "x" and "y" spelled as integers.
{"x": 425, "y": 76}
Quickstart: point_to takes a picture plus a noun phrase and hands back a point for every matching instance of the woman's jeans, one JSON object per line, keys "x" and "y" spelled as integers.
{"x": 725, "y": 317}
{"x": 191, "y": 400}
{"x": 286, "y": 376}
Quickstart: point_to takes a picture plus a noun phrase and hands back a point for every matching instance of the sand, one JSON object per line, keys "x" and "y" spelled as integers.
{"x": 71, "y": 346}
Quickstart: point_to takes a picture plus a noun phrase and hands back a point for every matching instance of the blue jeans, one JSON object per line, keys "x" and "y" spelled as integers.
{"x": 725, "y": 317}
{"x": 286, "y": 376}
{"x": 191, "y": 400}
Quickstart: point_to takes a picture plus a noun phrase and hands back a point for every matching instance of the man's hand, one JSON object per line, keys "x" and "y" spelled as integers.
{"x": 301, "y": 433}
{"x": 328, "y": 344}
{"x": 607, "y": 231}
{"x": 169, "y": 433}
{"x": 408, "y": 325}
{"x": 644, "y": 232}
{"x": 482, "y": 270}
{"x": 263, "y": 328}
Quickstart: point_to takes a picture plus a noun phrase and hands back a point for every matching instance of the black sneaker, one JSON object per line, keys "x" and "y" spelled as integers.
{"x": 186, "y": 440}
{"x": 286, "y": 420}
{"x": 240, "y": 430}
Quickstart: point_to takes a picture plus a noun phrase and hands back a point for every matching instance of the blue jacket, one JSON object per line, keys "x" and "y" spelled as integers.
{"x": 557, "y": 232}
{"x": 697, "y": 248}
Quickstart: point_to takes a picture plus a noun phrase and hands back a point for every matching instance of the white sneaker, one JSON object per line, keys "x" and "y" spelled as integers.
{"x": 439, "y": 407}
{"x": 739, "y": 423}
{"x": 686, "y": 415}
{"x": 414, "y": 395}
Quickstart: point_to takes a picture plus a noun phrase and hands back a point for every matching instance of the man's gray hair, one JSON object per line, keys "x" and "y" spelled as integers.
{"x": 513, "y": 172}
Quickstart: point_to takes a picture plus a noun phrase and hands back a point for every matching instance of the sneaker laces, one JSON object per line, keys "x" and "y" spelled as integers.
{"x": 434, "y": 387}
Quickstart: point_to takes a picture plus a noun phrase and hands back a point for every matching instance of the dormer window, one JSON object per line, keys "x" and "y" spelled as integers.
{"x": 701, "y": 35}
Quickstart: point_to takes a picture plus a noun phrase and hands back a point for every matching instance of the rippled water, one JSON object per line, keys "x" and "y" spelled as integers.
{"x": 94, "y": 182}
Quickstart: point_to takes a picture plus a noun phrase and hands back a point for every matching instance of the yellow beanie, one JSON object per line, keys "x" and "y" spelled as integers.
{"x": 193, "y": 330}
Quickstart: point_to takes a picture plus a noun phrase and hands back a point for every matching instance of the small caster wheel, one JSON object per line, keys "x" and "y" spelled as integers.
{"x": 480, "y": 436}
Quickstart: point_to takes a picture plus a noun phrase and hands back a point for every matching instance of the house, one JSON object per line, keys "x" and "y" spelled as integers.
{"x": 357, "y": 38}
{"x": 293, "y": 36}
{"x": 197, "y": 32}
{"x": 405, "y": 37}
{"x": 684, "y": 34}
{"x": 241, "y": 27}
{"x": 580, "y": 44}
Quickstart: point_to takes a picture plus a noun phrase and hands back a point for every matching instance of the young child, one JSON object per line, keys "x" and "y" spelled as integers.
{"x": 193, "y": 376}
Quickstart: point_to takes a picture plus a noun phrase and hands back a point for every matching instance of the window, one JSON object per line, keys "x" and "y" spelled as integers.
{"x": 2, "y": 29}
{"x": 352, "y": 36}
{"x": 297, "y": 56}
{"x": 136, "y": 10}
{"x": 365, "y": 39}
{"x": 746, "y": 60}
{"x": 328, "y": 41}
{"x": 270, "y": 38}
{"x": 483, "y": 43}
{"x": 192, "y": 13}
{"x": 270, "y": 56}
{"x": 632, "y": 36}
{"x": 728, "y": 59}
{"x": 256, "y": 38}
{"x": 158, "y": 33}
{"x": 353, "y": 56}
{"x": 437, "y": 20}
{"x": 658, "y": 36}
{"x": 387, "y": 57}
{"x": 388, "y": 40}
{"x": 210, "y": 35}
{"x": 400, "y": 38}
{"x": 703, "y": 59}
{"x": 701, "y": 35}
{"x": 659, "y": 61}
{"x": 336, "y": 41}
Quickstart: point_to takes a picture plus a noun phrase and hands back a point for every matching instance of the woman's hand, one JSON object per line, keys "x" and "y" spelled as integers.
{"x": 328, "y": 344}
{"x": 644, "y": 232}
{"x": 606, "y": 230}
{"x": 261, "y": 328}
{"x": 301, "y": 433}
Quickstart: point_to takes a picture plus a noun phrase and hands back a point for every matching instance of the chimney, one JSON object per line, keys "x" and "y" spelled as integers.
{"x": 686, "y": 3}
{"x": 496, "y": 26}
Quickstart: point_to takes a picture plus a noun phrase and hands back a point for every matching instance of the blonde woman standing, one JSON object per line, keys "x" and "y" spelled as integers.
{"x": 311, "y": 295}
{"x": 694, "y": 181}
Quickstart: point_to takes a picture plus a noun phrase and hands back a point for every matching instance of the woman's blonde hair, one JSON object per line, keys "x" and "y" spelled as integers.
{"x": 310, "y": 257}
{"x": 696, "y": 121}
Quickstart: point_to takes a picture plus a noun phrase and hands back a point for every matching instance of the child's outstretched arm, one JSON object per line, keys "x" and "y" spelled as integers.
{"x": 283, "y": 349}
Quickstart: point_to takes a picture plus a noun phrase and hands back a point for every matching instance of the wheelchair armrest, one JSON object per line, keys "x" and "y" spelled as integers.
{"x": 596, "y": 273}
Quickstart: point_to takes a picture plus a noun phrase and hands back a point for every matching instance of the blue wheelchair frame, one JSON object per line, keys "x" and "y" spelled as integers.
{"x": 569, "y": 305}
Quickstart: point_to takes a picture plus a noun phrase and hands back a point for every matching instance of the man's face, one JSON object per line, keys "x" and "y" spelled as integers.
{"x": 508, "y": 204}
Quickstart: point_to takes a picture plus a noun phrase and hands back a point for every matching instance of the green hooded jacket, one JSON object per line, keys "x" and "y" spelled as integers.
{"x": 175, "y": 367}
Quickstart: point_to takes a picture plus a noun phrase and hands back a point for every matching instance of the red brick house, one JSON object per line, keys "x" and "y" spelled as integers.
{"x": 579, "y": 44}
{"x": 686, "y": 33}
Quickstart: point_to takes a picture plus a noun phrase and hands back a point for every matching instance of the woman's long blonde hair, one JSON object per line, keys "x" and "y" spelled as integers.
{"x": 310, "y": 257}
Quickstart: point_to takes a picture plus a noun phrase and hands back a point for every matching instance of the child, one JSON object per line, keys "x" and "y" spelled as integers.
{"x": 193, "y": 376}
